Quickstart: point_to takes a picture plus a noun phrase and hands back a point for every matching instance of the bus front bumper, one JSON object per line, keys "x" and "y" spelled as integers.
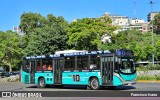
{"x": 129, "y": 82}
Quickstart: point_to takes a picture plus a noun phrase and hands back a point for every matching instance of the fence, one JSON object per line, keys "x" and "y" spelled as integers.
{"x": 149, "y": 73}
{"x": 14, "y": 78}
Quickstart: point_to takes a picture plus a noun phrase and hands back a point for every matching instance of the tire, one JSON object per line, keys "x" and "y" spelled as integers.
{"x": 41, "y": 83}
{"x": 94, "y": 84}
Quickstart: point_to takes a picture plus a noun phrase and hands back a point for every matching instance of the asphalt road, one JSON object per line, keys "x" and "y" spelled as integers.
{"x": 71, "y": 90}
{"x": 17, "y": 86}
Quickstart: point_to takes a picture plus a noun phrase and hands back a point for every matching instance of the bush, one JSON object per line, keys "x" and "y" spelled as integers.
{"x": 153, "y": 67}
{"x": 148, "y": 77}
{"x": 148, "y": 67}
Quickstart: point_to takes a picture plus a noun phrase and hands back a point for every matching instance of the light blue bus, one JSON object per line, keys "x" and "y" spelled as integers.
{"x": 93, "y": 69}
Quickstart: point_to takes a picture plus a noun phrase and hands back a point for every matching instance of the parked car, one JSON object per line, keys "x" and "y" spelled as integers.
{"x": 5, "y": 74}
{"x": 1, "y": 74}
{"x": 15, "y": 73}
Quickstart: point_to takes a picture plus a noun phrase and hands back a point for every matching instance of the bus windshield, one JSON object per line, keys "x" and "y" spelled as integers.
{"x": 127, "y": 66}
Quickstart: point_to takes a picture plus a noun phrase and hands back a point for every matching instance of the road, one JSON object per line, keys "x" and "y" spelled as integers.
{"x": 139, "y": 88}
{"x": 17, "y": 86}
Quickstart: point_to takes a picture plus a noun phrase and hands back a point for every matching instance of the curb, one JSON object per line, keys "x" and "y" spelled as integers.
{"x": 148, "y": 81}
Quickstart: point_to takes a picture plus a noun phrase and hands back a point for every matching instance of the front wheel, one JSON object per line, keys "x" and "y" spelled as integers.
{"x": 41, "y": 83}
{"x": 94, "y": 84}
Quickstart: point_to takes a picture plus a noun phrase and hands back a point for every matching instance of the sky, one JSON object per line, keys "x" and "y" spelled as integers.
{"x": 11, "y": 10}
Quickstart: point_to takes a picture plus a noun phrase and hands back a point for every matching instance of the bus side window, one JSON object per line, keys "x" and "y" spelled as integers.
{"x": 26, "y": 66}
{"x": 95, "y": 62}
{"x": 116, "y": 64}
{"x": 44, "y": 66}
{"x": 49, "y": 67}
{"x": 82, "y": 62}
{"x": 38, "y": 68}
{"x": 69, "y": 63}
{"x": 93, "y": 66}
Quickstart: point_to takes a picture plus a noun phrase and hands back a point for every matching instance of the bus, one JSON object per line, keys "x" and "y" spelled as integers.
{"x": 94, "y": 69}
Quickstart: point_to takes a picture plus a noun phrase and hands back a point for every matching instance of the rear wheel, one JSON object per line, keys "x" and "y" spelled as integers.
{"x": 41, "y": 83}
{"x": 94, "y": 84}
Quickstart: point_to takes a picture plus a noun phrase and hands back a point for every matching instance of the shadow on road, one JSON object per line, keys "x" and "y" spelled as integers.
{"x": 82, "y": 87}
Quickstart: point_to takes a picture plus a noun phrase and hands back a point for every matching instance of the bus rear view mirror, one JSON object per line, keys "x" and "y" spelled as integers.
{"x": 119, "y": 60}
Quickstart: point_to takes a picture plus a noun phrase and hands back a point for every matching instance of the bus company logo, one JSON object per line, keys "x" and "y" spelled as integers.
{"x": 6, "y": 94}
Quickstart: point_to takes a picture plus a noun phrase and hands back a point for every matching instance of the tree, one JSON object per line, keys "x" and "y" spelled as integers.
{"x": 157, "y": 23}
{"x": 47, "y": 39}
{"x": 10, "y": 49}
{"x": 135, "y": 41}
{"x": 86, "y": 33}
{"x": 30, "y": 21}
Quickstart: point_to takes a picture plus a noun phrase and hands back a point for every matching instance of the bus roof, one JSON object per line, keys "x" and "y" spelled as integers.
{"x": 69, "y": 51}
{"x": 65, "y": 53}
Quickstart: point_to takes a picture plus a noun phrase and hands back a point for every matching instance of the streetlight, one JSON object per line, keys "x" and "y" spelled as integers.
{"x": 151, "y": 3}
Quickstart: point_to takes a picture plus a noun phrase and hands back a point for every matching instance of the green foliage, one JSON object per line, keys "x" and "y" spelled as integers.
{"x": 156, "y": 22}
{"x": 30, "y": 21}
{"x": 148, "y": 78}
{"x": 46, "y": 37}
{"x": 10, "y": 49}
{"x": 86, "y": 33}
{"x": 140, "y": 43}
{"x": 153, "y": 67}
{"x": 145, "y": 78}
{"x": 148, "y": 67}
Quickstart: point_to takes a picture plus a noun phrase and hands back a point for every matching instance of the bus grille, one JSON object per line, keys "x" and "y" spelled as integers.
{"x": 26, "y": 79}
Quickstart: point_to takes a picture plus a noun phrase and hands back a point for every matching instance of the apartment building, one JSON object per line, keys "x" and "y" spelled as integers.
{"x": 128, "y": 24}
{"x": 139, "y": 24}
{"x": 117, "y": 20}
{"x": 151, "y": 15}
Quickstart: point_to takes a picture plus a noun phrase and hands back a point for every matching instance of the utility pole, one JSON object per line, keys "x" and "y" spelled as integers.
{"x": 134, "y": 8}
{"x": 151, "y": 3}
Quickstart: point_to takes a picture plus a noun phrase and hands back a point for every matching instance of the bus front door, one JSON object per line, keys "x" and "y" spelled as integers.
{"x": 58, "y": 67}
{"x": 32, "y": 72}
{"x": 107, "y": 64}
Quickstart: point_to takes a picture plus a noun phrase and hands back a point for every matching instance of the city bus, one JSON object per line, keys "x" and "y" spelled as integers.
{"x": 94, "y": 69}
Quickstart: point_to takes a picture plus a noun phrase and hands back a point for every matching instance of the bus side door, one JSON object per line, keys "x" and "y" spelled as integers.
{"x": 58, "y": 65}
{"x": 107, "y": 66}
{"x": 32, "y": 71}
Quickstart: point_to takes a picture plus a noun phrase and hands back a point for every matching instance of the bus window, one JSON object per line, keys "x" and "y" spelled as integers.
{"x": 82, "y": 62}
{"x": 69, "y": 63}
{"x": 127, "y": 66}
{"x": 38, "y": 68}
{"x": 116, "y": 64}
{"x": 95, "y": 62}
{"x": 26, "y": 66}
{"x": 47, "y": 64}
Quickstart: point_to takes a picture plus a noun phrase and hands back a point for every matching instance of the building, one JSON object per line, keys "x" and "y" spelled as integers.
{"x": 18, "y": 30}
{"x": 139, "y": 24}
{"x": 126, "y": 23}
{"x": 122, "y": 21}
{"x": 151, "y": 15}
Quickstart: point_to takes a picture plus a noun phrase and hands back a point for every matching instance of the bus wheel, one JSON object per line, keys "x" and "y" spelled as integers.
{"x": 41, "y": 83}
{"x": 94, "y": 84}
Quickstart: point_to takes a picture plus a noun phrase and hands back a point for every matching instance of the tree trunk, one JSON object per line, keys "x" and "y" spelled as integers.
{"x": 10, "y": 68}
